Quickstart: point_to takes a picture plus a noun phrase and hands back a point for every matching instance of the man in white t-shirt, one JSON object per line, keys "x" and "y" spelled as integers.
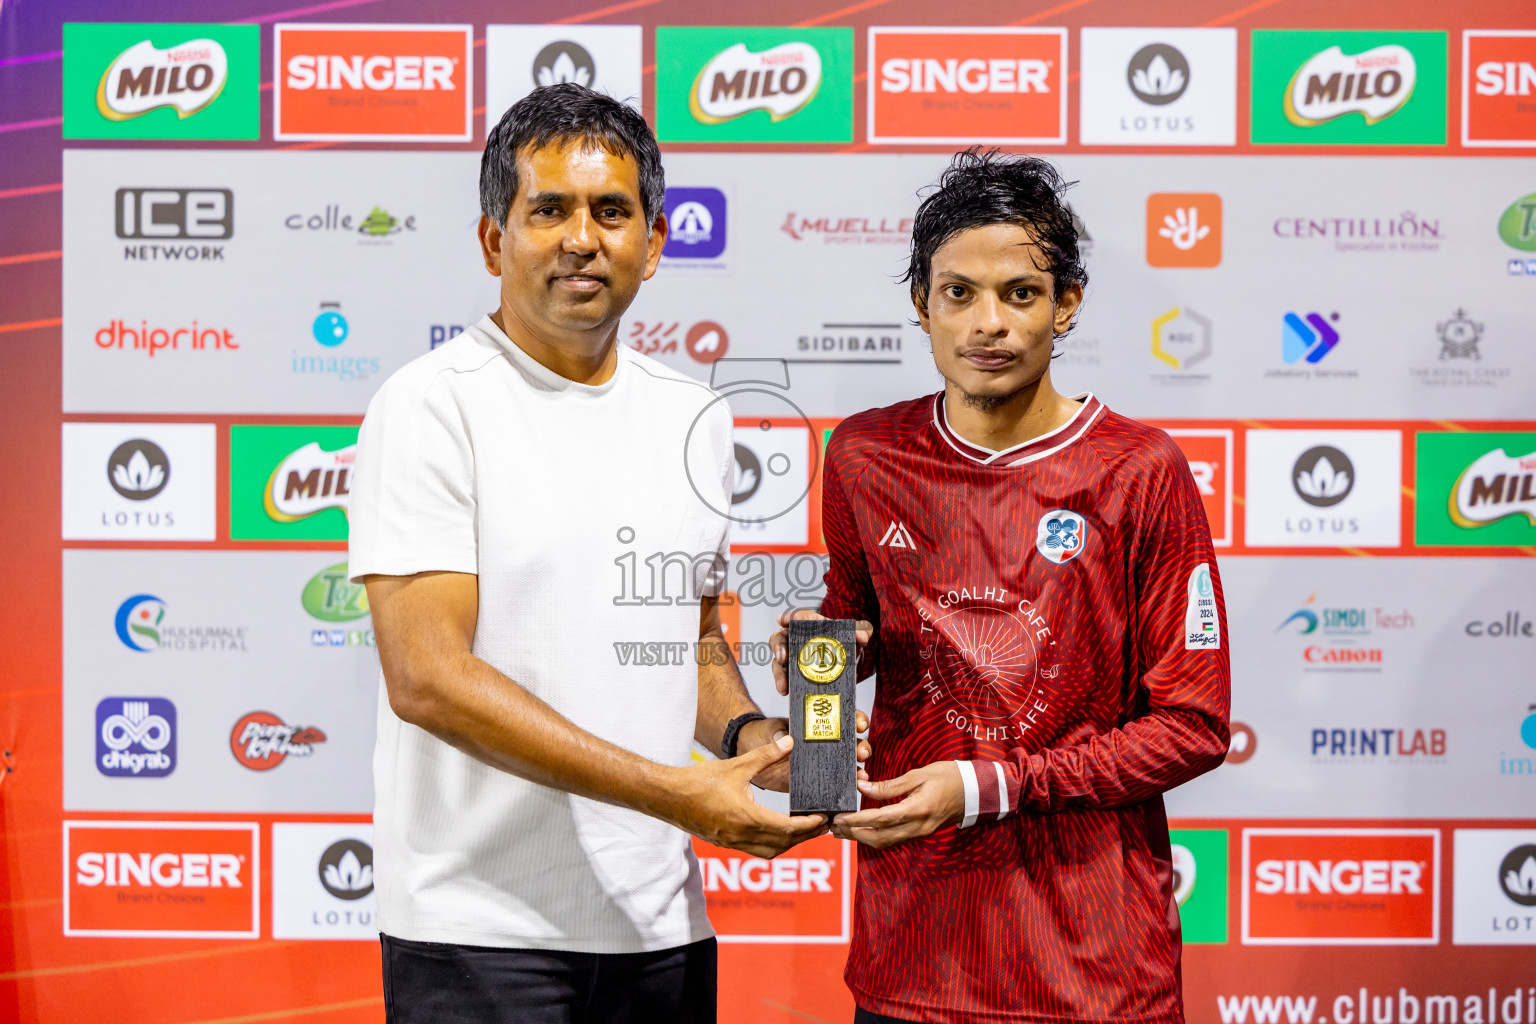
{"x": 534, "y": 792}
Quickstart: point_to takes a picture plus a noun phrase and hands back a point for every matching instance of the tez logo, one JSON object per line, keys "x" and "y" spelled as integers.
{"x": 1183, "y": 229}
{"x": 897, "y": 536}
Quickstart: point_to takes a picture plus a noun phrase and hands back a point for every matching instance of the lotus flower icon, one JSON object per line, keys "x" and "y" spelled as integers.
{"x": 346, "y": 869}
{"x": 561, "y": 62}
{"x": 1158, "y": 74}
{"x": 137, "y": 474}
{"x": 1517, "y": 875}
{"x": 138, "y": 469}
{"x": 1523, "y": 881}
{"x": 1323, "y": 476}
{"x": 1158, "y": 79}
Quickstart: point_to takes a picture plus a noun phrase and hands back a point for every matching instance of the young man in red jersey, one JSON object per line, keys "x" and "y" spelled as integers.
{"x": 1042, "y": 606}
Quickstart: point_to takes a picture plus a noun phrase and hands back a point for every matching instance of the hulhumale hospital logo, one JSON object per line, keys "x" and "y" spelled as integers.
{"x": 138, "y": 622}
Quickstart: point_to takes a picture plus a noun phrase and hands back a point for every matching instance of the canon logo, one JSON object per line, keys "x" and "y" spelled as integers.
{"x": 317, "y": 71}
{"x": 785, "y": 874}
{"x": 1343, "y": 655}
{"x": 167, "y": 870}
{"x": 1506, "y": 78}
{"x": 1344, "y": 877}
{"x": 924, "y": 74}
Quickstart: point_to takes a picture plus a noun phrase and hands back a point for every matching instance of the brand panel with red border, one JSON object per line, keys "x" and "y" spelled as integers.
{"x": 802, "y": 897}
{"x": 1498, "y": 88}
{"x": 1210, "y": 462}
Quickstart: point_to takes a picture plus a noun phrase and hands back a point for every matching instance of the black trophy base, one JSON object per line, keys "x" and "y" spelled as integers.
{"x": 823, "y": 767}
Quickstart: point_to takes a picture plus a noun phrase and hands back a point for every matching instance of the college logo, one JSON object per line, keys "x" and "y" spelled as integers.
{"x": 1159, "y": 87}
{"x": 801, "y": 897}
{"x": 521, "y": 58}
{"x": 116, "y": 489}
{"x": 161, "y": 81}
{"x": 290, "y": 481}
{"x": 138, "y": 469}
{"x": 1209, "y": 453}
{"x": 136, "y": 737}
{"x": 1349, "y": 87}
{"x": 1495, "y": 878}
{"x": 162, "y": 879}
{"x": 1183, "y": 229}
{"x": 373, "y": 83}
{"x": 1202, "y": 628}
{"x": 962, "y": 86}
{"x": 1061, "y": 535}
{"x": 696, "y": 225}
{"x": 188, "y": 213}
{"x": 261, "y": 741}
{"x": 754, "y": 84}
{"x": 1200, "y": 883}
{"x": 1341, "y": 887}
{"x": 376, "y": 228}
{"x": 1324, "y": 488}
{"x": 1498, "y": 88}
{"x": 1476, "y": 488}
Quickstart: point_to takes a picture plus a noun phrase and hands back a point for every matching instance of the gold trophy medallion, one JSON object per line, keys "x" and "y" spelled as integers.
{"x": 823, "y": 716}
{"x": 822, "y": 659}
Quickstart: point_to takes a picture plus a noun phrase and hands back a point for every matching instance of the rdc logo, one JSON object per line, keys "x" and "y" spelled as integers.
{"x": 136, "y": 737}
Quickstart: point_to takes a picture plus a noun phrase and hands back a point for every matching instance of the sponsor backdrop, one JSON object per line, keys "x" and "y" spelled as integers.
{"x": 1312, "y": 241}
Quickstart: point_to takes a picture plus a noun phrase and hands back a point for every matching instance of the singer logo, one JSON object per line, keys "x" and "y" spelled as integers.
{"x": 963, "y": 85}
{"x": 1210, "y": 459}
{"x": 373, "y": 83}
{"x": 801, "y": 898}
{"x": 161, "y": 879}
{"x": 1498, "y": 94}
{"x": 308, "y": 481}
{"x": 1340, "y": 887}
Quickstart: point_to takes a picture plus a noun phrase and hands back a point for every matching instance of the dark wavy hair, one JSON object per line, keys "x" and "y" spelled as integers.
{"x": 567, "y": 113}
{"x": 985, "y": 186}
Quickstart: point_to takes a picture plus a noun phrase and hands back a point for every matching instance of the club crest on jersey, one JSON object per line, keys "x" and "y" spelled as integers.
{"x": 1061, "y": 535}
{"x": 897, "y": 536}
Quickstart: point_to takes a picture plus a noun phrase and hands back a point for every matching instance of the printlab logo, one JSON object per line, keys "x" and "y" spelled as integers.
{"x": 196, "y": 214}
{"x": 1158, "y": 74}
{"x": 564, "y": 61}
{"x": 1184, "y": 229}
{"x": 346, "y": 869}
{"x": 136, "y": 737}
{"x": 1309, "y": 339}
{"x": 696, "y": 225}
{"x": 1323, "y": 476}
{"x": 131, "y": 81}
{"x": 261, "y": 741}
{"x": 138, "y": 469}
{"x": 1061, "y": 535}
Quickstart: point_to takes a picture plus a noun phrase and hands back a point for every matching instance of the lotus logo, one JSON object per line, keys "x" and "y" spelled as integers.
{"x": 564, "y": 61}
{"x": 1497, "y": 485}
{"x": 749, "y": 475}
{"x": 736, "y": 81}
{"x": 1323, "y": 476}
{"x": 1375, "y": 84}
{"x": 144, "y": 78}
{"x": 1517, "y": 875}
{"x": 138, "y": 469}
{"x": 346, "y": 869}
{"x": 138, "y": 622}
{"x": 1158, "y": 74}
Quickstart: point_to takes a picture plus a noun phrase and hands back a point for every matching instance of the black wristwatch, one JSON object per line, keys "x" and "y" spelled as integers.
{"x": 733, "y": 732}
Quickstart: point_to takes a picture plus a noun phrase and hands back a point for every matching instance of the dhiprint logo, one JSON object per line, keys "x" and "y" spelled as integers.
{"x": 1061, "y": 535}
{"x": 1183, "y": 229}
{"x": 138, "y": 469}
{"x": 1158, "y": 74}
{"x": 696, "y": 224}
{"x": 1323, "y": 476}
{"x": 897, "y": 536}
{"x": 136, "y": 737}
{"x": 261, "y": 741}
{"x": 564, "y": 61}
{"x": 1310, "y": 339}
{"x": 346, "y": 869}
{"x": 138, "y": 622}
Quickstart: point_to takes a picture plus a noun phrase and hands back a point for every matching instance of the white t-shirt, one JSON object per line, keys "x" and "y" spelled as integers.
{"x": 476, "y": 459}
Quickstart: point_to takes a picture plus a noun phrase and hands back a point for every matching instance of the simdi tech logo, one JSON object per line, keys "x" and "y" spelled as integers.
{"x": 161, "y": 81}
{"x": 290, "y": 482}
{"x": 1348, "y": 87}
{"x": 373, "y": 83}
{"x": 162, "y": 879}
{"x": 1341, "y": 887}
{"x": 962, "y": 86}
{"x": 754, "y": 84}
{"x": 1498, "y": 88}
{"x": 1475, "y": 488}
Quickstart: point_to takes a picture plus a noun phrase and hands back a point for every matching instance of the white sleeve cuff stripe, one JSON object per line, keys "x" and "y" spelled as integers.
{"x": 1002, "y": 791}
{"x": 972, "y": 793}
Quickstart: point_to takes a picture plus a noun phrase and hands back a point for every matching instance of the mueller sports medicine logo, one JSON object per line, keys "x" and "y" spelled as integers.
{"x": 1498, "y": 106}
{"x": 1340, "y": 887}
{"x": 196, "y": 215}
{"x": 261, "y": 741}
{"x": 144, "y": 77}
{"x": 136, "y": 737}
{"x": 1375, "y": 84}
{"x": 308, "y": 481}
{"x": 992, "y": 85}
{"x": 848, "y": 230}
{"x": 781, "y": 80}
{"x": 401, "y": 83}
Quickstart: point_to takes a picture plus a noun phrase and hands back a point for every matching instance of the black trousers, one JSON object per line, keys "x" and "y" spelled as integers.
{"x": 439, "y": 983}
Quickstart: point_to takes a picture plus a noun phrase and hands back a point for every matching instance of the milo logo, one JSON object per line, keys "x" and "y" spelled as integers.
{"x": 1374, "y": 84}
{"x": 144, "y": 78}
{"x": 736, "y": 81}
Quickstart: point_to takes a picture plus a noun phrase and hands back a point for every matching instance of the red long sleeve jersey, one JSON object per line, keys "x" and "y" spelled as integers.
{"x": 1050, "y": 617}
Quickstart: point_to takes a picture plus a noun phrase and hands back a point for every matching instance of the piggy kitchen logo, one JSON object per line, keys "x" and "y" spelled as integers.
{"x": 1374, "y": 84}
{"x": 1476, "y": 488}
{"x": 261, "y": 741}
{"x": 308, "y": 482}
{"x": 801, "y": 897}
{"x": 162, "y": 879}
{"x": 1341, "y": 887}
{"x": 373, "y": 83}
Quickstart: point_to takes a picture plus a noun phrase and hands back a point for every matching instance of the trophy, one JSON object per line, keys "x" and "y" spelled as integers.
{"x": 823, "y": 767}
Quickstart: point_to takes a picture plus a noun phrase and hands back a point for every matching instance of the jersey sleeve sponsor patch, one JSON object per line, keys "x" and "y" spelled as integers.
{"x": 1202, "y": 629}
